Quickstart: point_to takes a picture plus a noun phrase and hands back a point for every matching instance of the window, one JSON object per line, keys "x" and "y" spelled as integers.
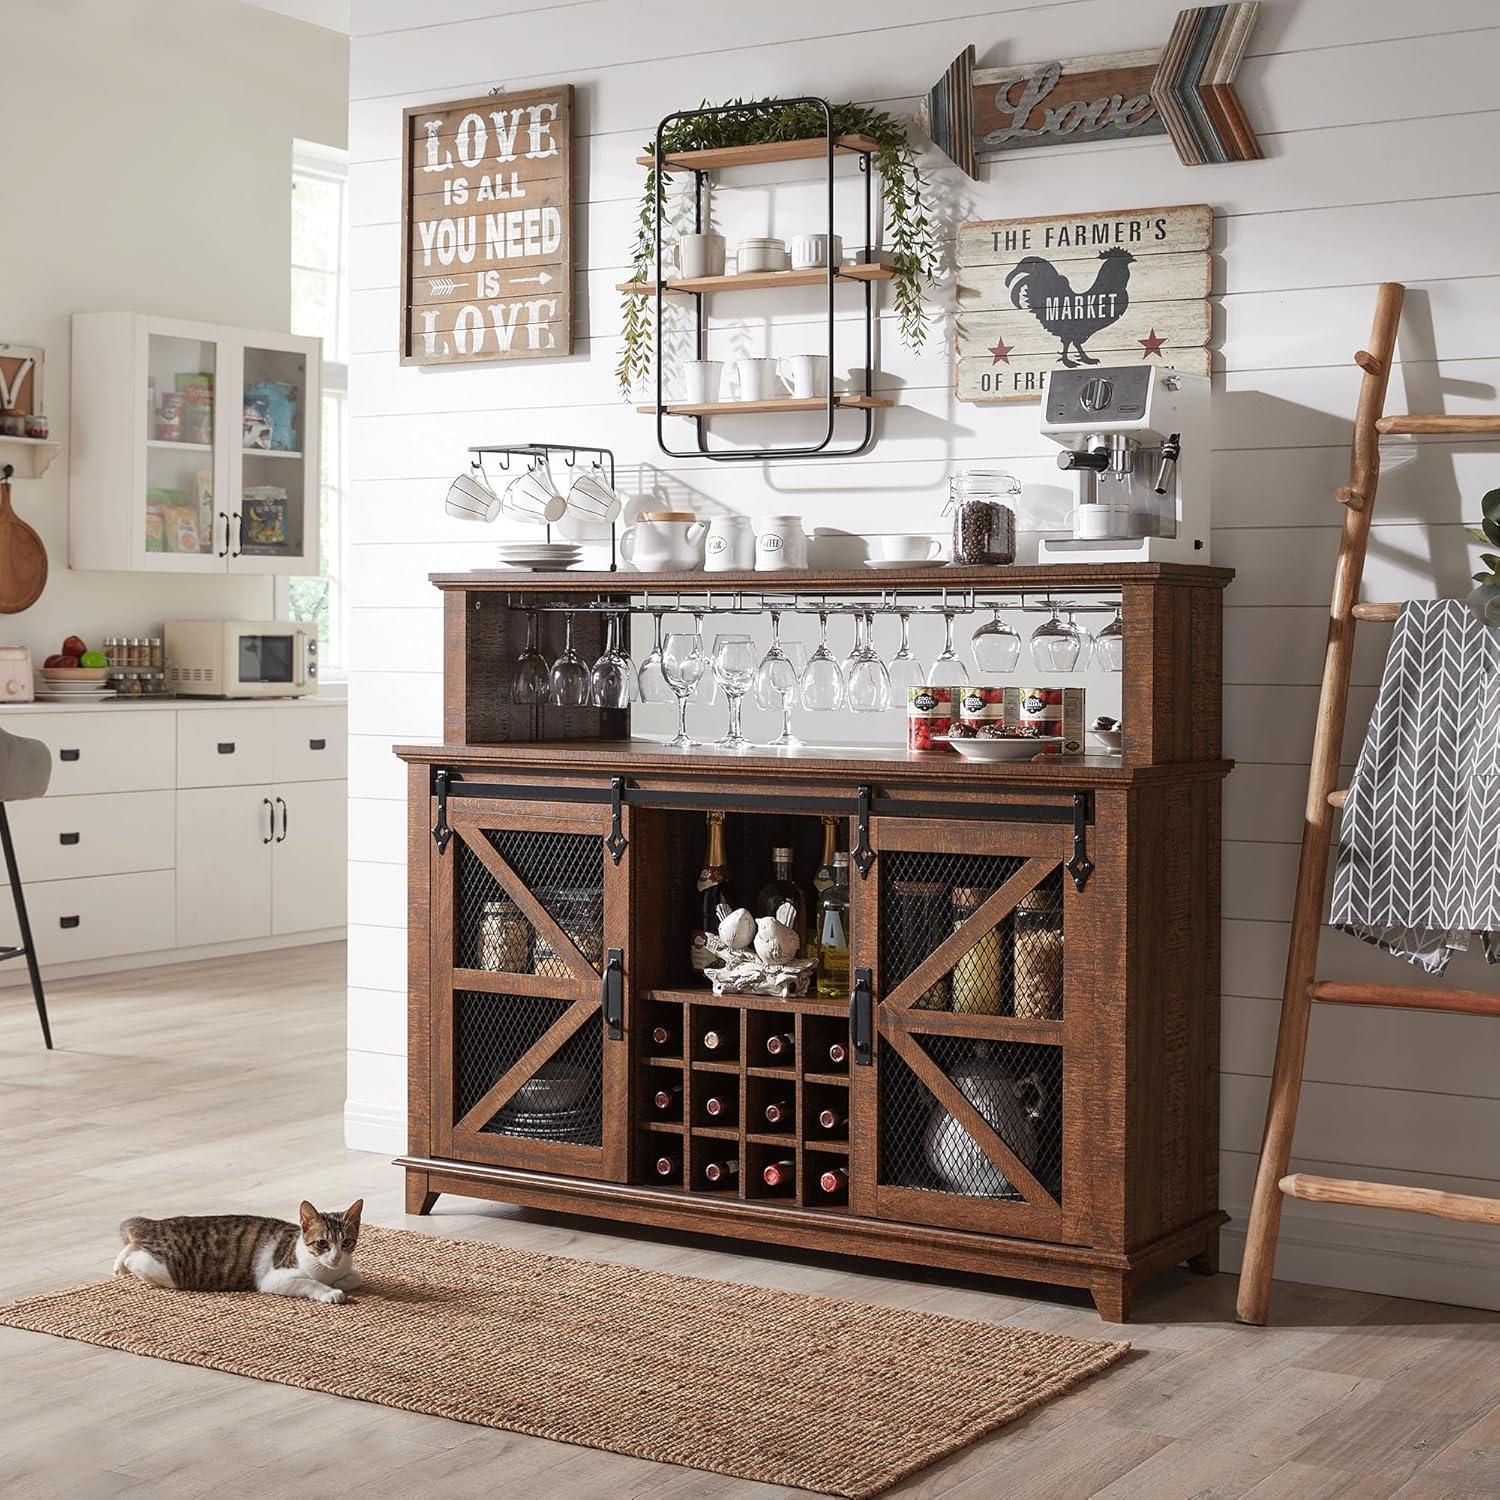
{"x": 320, "y": 306}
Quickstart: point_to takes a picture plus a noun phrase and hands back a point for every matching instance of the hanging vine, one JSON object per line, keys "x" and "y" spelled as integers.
{"x": 913, "y": 253}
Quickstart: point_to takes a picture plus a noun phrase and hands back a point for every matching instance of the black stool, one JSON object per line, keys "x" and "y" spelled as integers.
{"x": 25, "y": 771}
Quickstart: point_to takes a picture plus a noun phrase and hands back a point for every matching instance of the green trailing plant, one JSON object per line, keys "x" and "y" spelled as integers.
{"x": 1485, "y": 600}
{"x": 912, "y": 246}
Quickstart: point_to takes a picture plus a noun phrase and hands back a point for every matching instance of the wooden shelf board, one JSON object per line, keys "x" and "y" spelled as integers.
{"x": 715, "y": 158}
{"x": 665, "y": 1127}
{"x": 778, "y": 1138}
{"x": 831, "y": 1080}
{"x": 758, "y": 281}
{"x": 834, "y": 1145}
{"x": 787, "y": 1071}
{"x": 780, "y": 403}
{"x": 662, "y": 1062}
{"x": 1414, "y": 424}
{"x": 716, "y": 1067}
{"x": 807, "y": 1003}
{"x": 717, "y": 1132}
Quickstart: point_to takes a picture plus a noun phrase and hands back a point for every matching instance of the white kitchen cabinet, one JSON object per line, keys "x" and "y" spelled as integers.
{"x": 226, "y": 747}
{"x": 309, "y": 862}
{"x": 195, "y": 493}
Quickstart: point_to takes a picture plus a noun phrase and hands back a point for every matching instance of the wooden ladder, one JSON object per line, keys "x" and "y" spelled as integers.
{"x": 1272, "y": 1181}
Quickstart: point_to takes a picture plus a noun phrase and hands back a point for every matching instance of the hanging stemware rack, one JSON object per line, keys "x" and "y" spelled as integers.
{"x": 937, "y": 602}
{"x": 538, "y": 454}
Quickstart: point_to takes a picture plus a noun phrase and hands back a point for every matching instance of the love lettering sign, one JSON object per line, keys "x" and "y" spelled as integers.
{"x": 487, "y": 243}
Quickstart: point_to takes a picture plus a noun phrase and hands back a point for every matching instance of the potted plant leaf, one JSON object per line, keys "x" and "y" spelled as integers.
{"x": 1485, "y": 600}
{"x": 912, "y": 246}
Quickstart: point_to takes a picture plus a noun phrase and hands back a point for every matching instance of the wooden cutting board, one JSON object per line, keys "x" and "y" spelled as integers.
{"x": 23, "y": 560}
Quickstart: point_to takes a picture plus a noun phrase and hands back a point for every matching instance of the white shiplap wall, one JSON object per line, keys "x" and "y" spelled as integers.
{"x": 1382, "y": 141}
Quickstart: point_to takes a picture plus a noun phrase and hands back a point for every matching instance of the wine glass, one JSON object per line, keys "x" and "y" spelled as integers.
{"x": 682, "y": 665}
{"x": 867, "y": 684}
{"x": 570, "y": 677}
{"x": 996, "y": 647}
{"x": 651, "y": 682}
{"x": 1085, "y": 642}
{"x": 532, "y": 682}
{"x": 613, "y": 677}
{"x": 1055, "y": 646}
{"x": 777, "y": 684}
{"x": 734, "y": 663}
{"x": 949, "y": 667}
{"x": 1109, "y": 645}
{"x": 905, "y": 671}
{"x": 823, "y": 679}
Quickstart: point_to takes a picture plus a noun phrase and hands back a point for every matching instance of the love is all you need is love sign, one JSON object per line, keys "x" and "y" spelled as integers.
{"x": 1069, "y": 291}
{"x": 487, "y": 243}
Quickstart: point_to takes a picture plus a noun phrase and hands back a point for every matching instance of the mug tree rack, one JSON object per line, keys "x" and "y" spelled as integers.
{"x": 863, "y": 273}
{"x": 541, "y": 453}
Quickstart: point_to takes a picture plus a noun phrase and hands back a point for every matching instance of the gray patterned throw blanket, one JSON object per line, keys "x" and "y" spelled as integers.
{"x": 1419, "y": 845}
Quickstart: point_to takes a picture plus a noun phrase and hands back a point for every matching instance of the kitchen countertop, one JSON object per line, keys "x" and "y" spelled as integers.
{"x": 159, "y": 705}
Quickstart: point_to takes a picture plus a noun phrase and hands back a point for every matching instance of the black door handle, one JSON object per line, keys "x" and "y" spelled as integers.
{"x": 67, "y": 754}
{"x": 67, "y": 838}
{"x": 614, "y": 994}
{"x": 226, "y": 747}
{"x": 67, "y": 921}
{"x": 270, "y": 821}
{"x": 317, "y": 744}
{"x": 862, "y": 1018}
{"x": 224, "y": 517}
{"x": 281, "y": 838}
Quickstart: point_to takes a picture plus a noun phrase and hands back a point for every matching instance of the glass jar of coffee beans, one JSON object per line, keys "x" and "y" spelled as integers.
{"x": 982, "y": 504}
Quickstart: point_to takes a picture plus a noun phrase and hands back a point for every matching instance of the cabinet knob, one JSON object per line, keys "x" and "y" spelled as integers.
{"x": 67, "y": 838}
{"x": 317, "y": 744}
{"x": 67, "y": 755}
{"x": 226, "y": 747}
{"x": 68, "y": 921}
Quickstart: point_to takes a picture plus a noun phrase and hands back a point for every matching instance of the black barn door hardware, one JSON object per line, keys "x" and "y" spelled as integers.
{"x": 862, "y": 1018}
{"x": 1080, "y": 867}
{"x": 613, "y": 995}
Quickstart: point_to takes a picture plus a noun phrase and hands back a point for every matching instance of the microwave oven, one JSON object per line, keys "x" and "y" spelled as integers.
{"x": 241, "y": 658}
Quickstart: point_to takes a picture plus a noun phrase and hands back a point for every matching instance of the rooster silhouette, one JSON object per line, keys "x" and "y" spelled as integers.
{"x": 1072, "y": 316}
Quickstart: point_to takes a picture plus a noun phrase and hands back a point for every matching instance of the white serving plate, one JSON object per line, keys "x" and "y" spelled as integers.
{"x": 1017, "y": 749}
{"x": 44, "y": 695}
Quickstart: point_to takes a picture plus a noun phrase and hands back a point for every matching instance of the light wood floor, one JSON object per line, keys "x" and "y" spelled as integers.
{"x": 218, "y": 1086}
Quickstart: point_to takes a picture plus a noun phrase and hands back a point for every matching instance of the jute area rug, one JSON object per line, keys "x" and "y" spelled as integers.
{"x": 775, "y": 1386}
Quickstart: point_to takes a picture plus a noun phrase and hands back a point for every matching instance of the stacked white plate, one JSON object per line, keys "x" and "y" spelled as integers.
{"x": 539, "y": 555}
{"x": 70, "y": 690}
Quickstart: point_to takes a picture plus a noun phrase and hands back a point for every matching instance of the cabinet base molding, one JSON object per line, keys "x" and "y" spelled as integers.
{"x": 120, "y": 962}
{"x": 1109, "y": 1276}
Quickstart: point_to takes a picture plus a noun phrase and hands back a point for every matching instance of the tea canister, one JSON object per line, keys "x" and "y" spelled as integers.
{"x": 929, "y": 717}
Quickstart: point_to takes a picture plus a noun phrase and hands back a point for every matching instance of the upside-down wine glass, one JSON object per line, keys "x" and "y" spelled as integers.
{"x": 822, "y": 680}
{"x": 949, "y": 667}
{"x": 683, "y": 664}
{"x": 776, "y": 683}
{"x": 570, "y": 677}
{"x": 1054, "y": 646}
{"x": 1085, "y": 642}
{"x": 867, "y": 684}
{"x": 613, "y": 678}
{"x": 651, "y": 681}
{"x": 532, "y": 682}
{"x": 734, "y": 670}
{"x": 904, "y": 670}
{"x": 996, "y": 647}
{"x": 1109, "y": 645}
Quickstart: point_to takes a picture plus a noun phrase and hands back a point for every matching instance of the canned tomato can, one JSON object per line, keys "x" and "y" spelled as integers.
{"x": 1041, "y": 708}
{"x": 979, "y": 703}
{"x": 929, "y": 716}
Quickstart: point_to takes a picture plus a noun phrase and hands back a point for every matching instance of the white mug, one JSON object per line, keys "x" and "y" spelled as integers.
{"x": 533, "y": 497}
{"x": 592, "y": 497}
{"x": 730, "y": 545}
{"x": 780, "y": 543}
{"x": 757, "y": 379}
{"x": 908, "y": 548}
{"x": 809, "y": 374}
{"x": 702, "y": 380}
{"x": 700, "y": 255}
{"x": 471, "y": 499}
{"x": 809, "y": 250}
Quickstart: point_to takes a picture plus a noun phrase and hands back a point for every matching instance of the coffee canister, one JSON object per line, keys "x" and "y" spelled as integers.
{"x": 929, "y": 717}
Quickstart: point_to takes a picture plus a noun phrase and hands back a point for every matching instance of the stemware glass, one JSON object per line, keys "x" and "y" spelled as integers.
{"x": 822, "y": 679}
{"x": 1054, "y": 646}
{"x": 651, "y": 682}
{"x": 1109, "y": 645}
{"x": 949, "y": 667}
{"x": 532, "y": 682}
{"x": 996, "y": 647}
{"x": 683, "y": 664}
{"x": 776, "y": 681}
{"x": 905, "y": 671}
{"x": 1085, "y": 642}
{"x": 570, "y": 677}
{"x": 867, "y": 684}
{"x": 734, "y": 663}
{"x": 613, "y": 678}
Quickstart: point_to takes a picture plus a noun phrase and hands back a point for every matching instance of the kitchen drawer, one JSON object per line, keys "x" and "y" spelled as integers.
{"x": 62, "y": 838}
{"x": 225, "y": 747}
{"x": 105, "y": 749}
{"x": 96, "y": 917}
{"x": 312, "y": 744}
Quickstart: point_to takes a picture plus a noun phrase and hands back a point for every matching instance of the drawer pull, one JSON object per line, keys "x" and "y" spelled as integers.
{"x": 68, "y": 754}
{"x": 68, "y": 921}
{"x": 226, "y": 747}
{"x": 67, "y": 838}
{"x": 317, "y": 744}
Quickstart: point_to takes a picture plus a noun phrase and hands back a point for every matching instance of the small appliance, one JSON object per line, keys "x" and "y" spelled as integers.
{"x": 1137, "y": 440}
{"x": 241, "y": 658}
{"x": 17, "y": 682}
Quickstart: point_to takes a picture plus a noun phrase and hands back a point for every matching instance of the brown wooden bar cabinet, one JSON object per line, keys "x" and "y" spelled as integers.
{"x": 552, "y": 868}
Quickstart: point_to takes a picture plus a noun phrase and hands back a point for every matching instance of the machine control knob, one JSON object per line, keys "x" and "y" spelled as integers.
{"x": 12, "y": 687}
{"x": 1096, "y": 394}
{"x": 1097, "y": 460}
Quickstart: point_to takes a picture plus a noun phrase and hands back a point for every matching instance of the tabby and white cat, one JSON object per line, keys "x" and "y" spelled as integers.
{"x": 243, "y": 1253}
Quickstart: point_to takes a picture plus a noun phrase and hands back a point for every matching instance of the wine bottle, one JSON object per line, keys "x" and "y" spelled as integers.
{"x": 832, "y": 1119}
{"x": 713, "y": 878}
{"x": 662, "y": 1034}
{"x": 838, "y": 1054}
{"x": 779, "y": 1112}
{"x": 666, "y": 1166}
{"x": 781, "y": 1045}
{"x": 716, "y": 1107}
{"x": 716, "y": 1041}
{"x": 779, "y": 1174}
{"x": 667, "y": 1099}
{"x": 833, "y": 933}
{"x": 725, "y": 1171}
{"x": 834, "y": 1182}
{"x": 822, "y": 881}
{"x": 780, "y": 889}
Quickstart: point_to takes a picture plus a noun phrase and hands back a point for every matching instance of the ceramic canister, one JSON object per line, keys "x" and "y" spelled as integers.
{"x": 780, "y": 543}
{"x": 730, "y": 545}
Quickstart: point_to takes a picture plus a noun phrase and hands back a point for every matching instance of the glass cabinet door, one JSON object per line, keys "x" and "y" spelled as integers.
{"x": 179, "y": 524}
{"x": 274, "y": 521}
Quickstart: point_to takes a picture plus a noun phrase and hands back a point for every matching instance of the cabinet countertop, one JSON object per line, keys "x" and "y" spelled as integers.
{"x": 160, "y": 705}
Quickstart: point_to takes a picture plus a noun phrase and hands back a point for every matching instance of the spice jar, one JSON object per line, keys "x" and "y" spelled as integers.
{"x": 1037, "y": 938}
{"x": 978, "y": 979}
{"x": 984, "y": 525}
{"x": 158, "y": 653}
{"x": 504, "y": 938}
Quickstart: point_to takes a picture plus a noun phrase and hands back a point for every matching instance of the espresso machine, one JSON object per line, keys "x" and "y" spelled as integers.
{"x": 1137, "y": 440}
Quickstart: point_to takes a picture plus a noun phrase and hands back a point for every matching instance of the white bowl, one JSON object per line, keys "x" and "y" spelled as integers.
{"x": 1113, "y": 740}
{"x": 1009, "y": 749}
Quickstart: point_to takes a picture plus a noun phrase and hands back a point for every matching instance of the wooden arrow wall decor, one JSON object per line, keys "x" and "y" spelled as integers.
{"x": 1184, "y": 89}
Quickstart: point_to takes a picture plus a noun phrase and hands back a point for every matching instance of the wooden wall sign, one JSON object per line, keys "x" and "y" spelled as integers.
{"x": 1184, "y": 89}
{"x": 1043, "y": 294}
{"x": 20, "y": 379}
{"x": 487, "y": 244}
